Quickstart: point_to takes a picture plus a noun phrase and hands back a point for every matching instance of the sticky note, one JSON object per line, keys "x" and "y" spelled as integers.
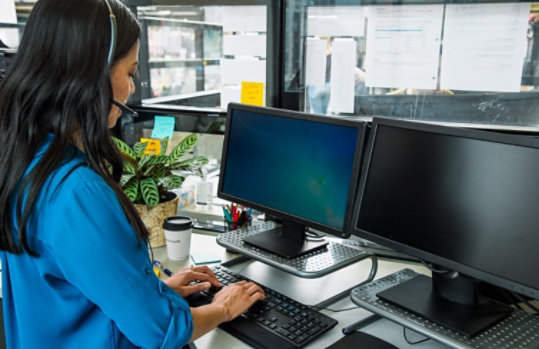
{"x": 163, "y": 126}
{"x": 252, "y": 93}
{"x": 154, "y": 146}
{"x": 205, "y": 257}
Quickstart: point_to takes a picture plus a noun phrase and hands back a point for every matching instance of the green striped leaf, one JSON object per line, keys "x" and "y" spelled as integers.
{"x": 155, "y": 160}
{"x": 151, "y": 162}
{"x": 143, "y": 161}
{"x": 149, "y": 190}
{"x": 131, "y": 189}
{"x": 164, "y": 144}
{"x": 126, "y": 178}
{"x": 172, "y": 181}
{"x": 124, "y": 148}
{"x": 158, "y": 171}
{"x": 194, "y": 161}
{"x": 183, "y": 147}
{"x": 129, "y": 168}
{"x": 139, "y": 148}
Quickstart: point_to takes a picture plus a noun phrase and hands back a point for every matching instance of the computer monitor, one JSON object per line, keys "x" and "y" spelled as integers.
{"x": 300, "y": 168}
{"x": 465, "y": 201}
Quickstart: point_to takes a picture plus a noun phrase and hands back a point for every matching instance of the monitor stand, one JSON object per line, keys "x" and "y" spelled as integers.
{"x": 452, "y": 302}
{"x": 288, "y": 241}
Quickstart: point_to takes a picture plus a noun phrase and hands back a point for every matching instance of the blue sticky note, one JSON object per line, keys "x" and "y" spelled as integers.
{"x": 163, "y": 126}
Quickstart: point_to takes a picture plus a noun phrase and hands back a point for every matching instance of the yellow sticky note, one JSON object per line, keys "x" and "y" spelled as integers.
{"x": 154, "y": 146}
{"x": 252, "y": 93}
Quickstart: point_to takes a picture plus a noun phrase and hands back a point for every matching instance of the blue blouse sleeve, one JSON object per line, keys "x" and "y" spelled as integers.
{"x": 99, "y": 254}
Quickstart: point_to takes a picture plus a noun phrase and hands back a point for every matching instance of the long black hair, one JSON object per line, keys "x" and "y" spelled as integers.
{"x": 59, "y": 84}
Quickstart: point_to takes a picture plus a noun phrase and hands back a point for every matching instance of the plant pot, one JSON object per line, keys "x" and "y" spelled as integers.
{"x": 153, "y": 218}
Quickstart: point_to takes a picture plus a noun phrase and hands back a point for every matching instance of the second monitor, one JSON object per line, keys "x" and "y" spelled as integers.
{"x": 300, "y": 168}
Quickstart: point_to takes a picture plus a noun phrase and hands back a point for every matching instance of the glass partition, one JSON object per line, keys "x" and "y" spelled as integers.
{"x": 205, "y": 54}
{"x": 195, "y": 57}
{"x": 473, "y": 63}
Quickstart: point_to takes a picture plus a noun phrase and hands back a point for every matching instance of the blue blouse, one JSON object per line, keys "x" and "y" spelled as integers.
{"x": 93, "y": 285}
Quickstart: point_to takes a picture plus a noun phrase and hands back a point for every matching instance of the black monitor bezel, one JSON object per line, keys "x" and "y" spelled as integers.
{"x": 488, "y": 277}
{"x": 361, "y": 127}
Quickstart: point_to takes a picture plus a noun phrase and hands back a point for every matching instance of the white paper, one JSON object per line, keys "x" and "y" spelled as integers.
{"x": 230, "y": 94}
{"x": 403, "y": 46}
{"x": 244, "y": 18}
{"x": 315, "y": 61}
{"x": 10, "y": 36}
{"x": 244, "y": 45}
{"x": 484, "y": 47}
{"x": 7, "y": 11}
{"x": 335, "y": 21}
{"x": 234, "y": 71}
{"x": 343, "y": 63}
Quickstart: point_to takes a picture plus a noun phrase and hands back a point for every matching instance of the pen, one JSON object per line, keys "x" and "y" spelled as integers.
{"x": 227, "y": 215}
{"x": 361, "y": 323}
{"x": 162, "y": 267}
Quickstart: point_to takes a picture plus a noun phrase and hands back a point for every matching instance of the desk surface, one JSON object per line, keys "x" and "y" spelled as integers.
{"x": 382, "y": 328}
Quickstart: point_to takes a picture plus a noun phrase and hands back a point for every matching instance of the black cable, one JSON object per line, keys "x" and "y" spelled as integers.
{"x": 312, "y": 236}
{"x": 338, "y": 310}
{"x": 410, "y": 342}
{"x": 360, "y": 324}
{"x": 431, "y": 268}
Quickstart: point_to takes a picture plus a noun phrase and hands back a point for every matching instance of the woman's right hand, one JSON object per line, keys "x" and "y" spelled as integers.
{"x": 238, "y": 297}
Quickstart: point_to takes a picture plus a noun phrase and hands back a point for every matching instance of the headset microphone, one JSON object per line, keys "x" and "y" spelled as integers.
{"x": 124, "y": 108}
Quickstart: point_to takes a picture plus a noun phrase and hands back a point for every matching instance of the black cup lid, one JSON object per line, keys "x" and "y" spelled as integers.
{"x": 177, "y": 223}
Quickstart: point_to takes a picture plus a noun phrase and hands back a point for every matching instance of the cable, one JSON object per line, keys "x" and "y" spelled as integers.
{"x": 312, "y": 236}
{"x": 410, "y": 342}
{"x": 436, "y": 270}
{"x": 338, "y": 310}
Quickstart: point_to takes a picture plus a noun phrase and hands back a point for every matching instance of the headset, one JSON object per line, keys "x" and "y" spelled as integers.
{"x": 124, "y": 108}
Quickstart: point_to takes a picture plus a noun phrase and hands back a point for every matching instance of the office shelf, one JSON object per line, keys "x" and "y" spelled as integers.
{"x": 310, "y": 265}
{"x": 518, "y": 330}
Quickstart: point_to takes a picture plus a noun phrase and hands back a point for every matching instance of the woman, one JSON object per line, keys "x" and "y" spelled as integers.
{"x": 76, "y": 271}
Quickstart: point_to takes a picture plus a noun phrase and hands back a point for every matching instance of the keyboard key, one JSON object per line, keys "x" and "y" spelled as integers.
{"x": 283, "y": 332}
{"x": 301, "y": 338}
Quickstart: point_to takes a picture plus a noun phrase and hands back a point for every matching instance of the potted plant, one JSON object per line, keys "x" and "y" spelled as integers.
{"x": 149, "y": 178}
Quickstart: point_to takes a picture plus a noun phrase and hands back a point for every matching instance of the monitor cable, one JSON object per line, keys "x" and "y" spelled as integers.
{"x": 314, "y": 236}
{"x": 409, "y": 341}
{"x": 451, "y": 273}
{"x": 337, "y": 310}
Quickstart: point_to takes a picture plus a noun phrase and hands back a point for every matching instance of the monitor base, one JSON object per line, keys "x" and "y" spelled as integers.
{"x": 417, "y": 296}
{"x": 277, "y": 241}
{"x": 516, "y": 327}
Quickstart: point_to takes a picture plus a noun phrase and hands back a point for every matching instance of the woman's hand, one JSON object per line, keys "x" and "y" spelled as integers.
{"x": 179, "y": 281}
{"x": 238, "y": 297}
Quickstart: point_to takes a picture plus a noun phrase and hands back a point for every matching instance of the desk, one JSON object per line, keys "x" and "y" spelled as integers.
{"x": 382, "y": 328}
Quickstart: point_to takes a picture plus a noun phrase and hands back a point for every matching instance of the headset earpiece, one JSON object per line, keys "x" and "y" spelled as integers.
{"x": 113, "y": 29}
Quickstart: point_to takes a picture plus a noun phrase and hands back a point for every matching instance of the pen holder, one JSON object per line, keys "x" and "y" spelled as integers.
{"x": 230, "y": 225}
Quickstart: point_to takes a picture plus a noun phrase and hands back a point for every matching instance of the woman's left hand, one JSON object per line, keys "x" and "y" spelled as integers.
{"x": 179, "y": 281}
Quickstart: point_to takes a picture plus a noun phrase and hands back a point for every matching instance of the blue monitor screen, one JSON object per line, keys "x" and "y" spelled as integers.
{"x": 300, "y": 167}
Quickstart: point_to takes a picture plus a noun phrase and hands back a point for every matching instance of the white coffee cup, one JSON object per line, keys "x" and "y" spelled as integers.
{"x": 178, "y": 235}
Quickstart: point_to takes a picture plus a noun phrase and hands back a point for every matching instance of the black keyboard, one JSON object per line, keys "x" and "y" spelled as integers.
{"x": 276, "y": 322}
